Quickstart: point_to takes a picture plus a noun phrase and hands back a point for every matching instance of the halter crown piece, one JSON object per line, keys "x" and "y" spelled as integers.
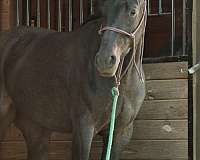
{"x": 132, "y": 36}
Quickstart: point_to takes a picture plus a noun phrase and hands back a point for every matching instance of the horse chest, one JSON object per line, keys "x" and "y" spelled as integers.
{"x": 102, "y": 111}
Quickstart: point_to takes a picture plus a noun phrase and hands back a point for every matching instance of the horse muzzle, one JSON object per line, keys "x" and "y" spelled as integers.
{"x": 106, "y": 65}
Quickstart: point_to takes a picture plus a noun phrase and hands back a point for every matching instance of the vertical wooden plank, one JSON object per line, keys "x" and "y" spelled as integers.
{"x": 53, "y": 14}
{"x": 5, "y": 14}
{"x": 195, "y": 91}
{"x": 59, "y": 19}
{"x": 86, "y": 9}
{"x": 43, "y": 13}
{"x": 32, "y": 13}
{"x": 63, "y": 15}
{"x": 196, "y": 82}
{"x": 76, "y": 14}
{"x": 12, "y": 14}
{"x": 154, "y": 5}
{"x": 66, "y": 16}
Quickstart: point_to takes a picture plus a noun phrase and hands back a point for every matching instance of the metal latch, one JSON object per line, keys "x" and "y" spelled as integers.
{"x": 193, "y": 69}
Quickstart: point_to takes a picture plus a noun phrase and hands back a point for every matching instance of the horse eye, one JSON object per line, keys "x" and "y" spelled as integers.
{"x": 133, "y": 13}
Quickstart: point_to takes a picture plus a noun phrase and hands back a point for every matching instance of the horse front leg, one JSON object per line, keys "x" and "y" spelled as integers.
{"x": 36, "y": 138}
{"x": 83, "y": 132}
{"x": 7, "y": 115}
{"x": 120, "y": 141}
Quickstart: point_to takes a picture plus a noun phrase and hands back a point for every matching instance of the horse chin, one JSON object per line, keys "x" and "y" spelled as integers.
{"x": 106, "y": 74}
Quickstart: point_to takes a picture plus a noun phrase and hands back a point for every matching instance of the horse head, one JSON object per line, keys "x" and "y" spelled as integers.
{"x": 122, "y": 28}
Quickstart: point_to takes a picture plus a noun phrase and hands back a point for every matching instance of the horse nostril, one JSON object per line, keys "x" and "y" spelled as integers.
{"x": 104, "y": 62}
{"x": 96, "y": 59}
{"x": 112, "y": 60}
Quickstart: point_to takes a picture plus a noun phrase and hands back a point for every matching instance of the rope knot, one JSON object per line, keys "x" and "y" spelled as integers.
{"x": 115, "y": 91}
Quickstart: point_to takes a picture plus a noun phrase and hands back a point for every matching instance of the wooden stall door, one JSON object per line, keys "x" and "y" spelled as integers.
{"x": 158, "y": 37}
{"x": 6, "y": 14}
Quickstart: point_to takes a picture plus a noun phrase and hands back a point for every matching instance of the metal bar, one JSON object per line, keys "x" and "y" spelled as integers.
{"x": 81, "y": 11}
{"x": 91, "y": 7}
{"x": 59, "y": 17}
{"x": 148, "y": 7}
{"x": 160, "y": 10}
{"x": 48, "y": 14}
{"x": 70, "y": 15}
{"x": 17, "y": 13}
{"x": 38, "y": 13}
{"x": 173, "y": 28}
{"x": 27, "y": 13}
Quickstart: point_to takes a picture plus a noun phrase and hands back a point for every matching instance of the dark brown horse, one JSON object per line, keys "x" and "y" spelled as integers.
{"x": 52, "y": 81}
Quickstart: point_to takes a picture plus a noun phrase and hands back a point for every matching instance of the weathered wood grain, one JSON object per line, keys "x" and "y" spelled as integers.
{"x": 4, "y": 14}
{"x": 148, "y": 130}
{"x": 156, "y": 150}
{"x": 164, "y": 109}
{"x": 7, "y": 14}
{"x": 151, "y": 110}
{"x": 136, "y": 150}
{"x": 173, "y": 70}
{"x": 143, "y": 130}
{"x": 167, "y": 89}
{"x": 160, "y": 130}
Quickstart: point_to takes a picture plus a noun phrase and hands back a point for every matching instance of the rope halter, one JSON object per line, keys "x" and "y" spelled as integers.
{"x": 132, "y": 36}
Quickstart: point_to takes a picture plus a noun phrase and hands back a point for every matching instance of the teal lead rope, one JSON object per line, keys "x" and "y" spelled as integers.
{"x": 115, "y": 95}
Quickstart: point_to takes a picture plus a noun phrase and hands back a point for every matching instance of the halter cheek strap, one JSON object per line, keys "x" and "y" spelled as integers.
{"x": 132, "y": 36}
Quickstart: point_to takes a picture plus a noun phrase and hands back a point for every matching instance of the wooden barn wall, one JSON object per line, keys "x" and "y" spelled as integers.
{"x": 6, "y": 14}
{"x": 160, "y": 131}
